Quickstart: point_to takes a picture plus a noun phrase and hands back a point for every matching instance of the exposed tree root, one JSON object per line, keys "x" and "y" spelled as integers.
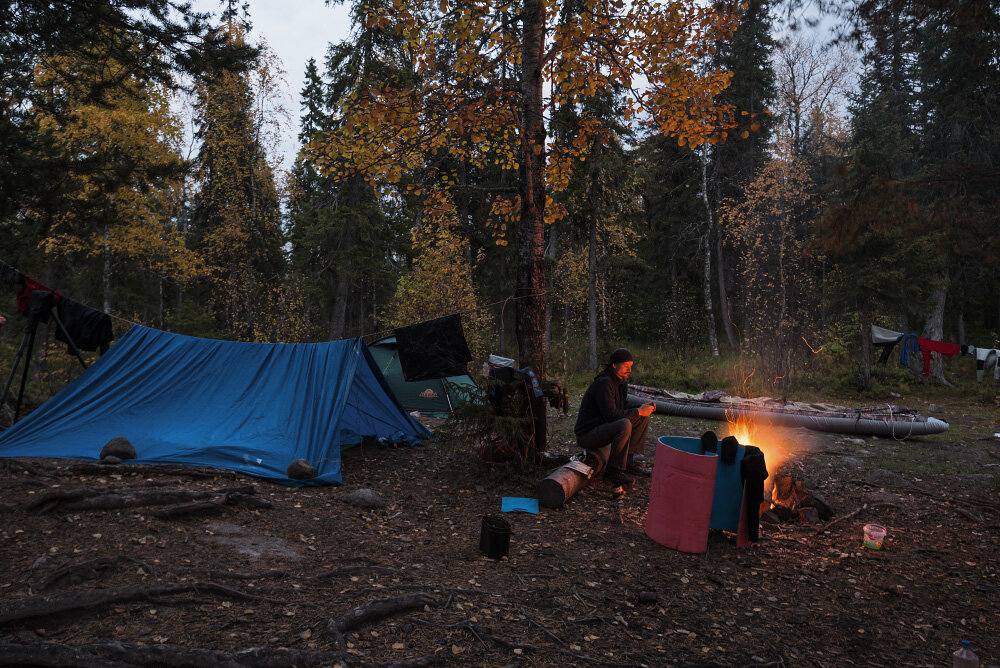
{"x": 13, "y": 610}
{"x": 215, "y": 503}
{"x": 31, "y": 469}
{"x": 373, "y": 610}
{"x": 354, "y": 569}
{"x": 92, "y": 498}
{"x": 129, "y": 655}
{"x": 88, "y": 570}
{"x": 152, "y": 469}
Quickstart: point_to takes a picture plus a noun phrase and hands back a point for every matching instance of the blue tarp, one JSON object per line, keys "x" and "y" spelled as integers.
{"x": 248, "y": 407}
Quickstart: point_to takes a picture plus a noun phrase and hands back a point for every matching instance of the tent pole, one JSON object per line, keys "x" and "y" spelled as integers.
{"x": 72, "y": 344}
{"x": 447, "y": 395}
{"x": 24, "y": 375}
{"x": 13, "y": 368}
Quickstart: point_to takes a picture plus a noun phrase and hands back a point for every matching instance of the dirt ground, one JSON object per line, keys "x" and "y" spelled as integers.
{"x": 582, "y": 586}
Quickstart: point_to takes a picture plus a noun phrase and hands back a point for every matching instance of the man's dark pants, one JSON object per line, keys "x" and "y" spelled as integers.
{"x": 627, "y": 437}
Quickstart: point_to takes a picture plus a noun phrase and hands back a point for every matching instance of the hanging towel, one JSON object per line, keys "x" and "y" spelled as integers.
{"x": 928, "y": 346}
{"x": 910, "y": 345}
{"x": 882, "y": 335}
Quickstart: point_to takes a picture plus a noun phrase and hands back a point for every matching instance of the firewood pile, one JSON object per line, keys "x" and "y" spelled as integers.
{"x": 790, "y": 501}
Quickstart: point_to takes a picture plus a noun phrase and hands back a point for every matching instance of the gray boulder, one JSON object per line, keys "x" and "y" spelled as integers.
{"x": 367, "y": 499}
{"x": 884, "y": 478}
{"x": 301, "y": 469}
{"x": 118, "y": 447}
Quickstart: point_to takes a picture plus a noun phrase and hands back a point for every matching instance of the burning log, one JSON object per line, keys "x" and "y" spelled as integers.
{"x": 791, "y": 500}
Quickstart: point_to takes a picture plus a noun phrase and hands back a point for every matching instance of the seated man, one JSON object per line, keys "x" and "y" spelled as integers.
{"x": 604, "y": 419}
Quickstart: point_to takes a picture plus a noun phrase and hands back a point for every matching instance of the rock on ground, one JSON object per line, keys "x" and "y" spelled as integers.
{"x": 365, "y": 498}
{"x": 118, "y": 447}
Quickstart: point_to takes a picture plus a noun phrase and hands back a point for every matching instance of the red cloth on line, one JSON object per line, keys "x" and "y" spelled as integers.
{"x": 24, "y": 297}
{"x": 928, "y": 346}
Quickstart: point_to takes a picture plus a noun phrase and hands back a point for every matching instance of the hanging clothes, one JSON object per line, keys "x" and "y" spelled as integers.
{"x": 40, "y": 304}
{"x": 910, "y": 346}
{"x": 89, "y": 328}
{"x": 883, "y": 335}
{"x": 433, "y": 349}
{"x": 928, "y": 346}
{"x": 9, "y": 275}
{"x": 753, "y": 473}
{"x": 984, "y": 358}
{"x": 886, "y": 339}
{"x": 28, "y": 287}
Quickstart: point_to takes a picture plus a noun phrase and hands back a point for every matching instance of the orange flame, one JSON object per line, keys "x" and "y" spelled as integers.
{"x": 751, "y": 428}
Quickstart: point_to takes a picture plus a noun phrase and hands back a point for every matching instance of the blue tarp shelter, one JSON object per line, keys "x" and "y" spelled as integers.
{"x": 248, "y": 407}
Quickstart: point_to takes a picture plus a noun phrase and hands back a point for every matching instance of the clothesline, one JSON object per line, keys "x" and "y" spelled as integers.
{"x": 374, "y": 335}
{"x": 911, "y": 343}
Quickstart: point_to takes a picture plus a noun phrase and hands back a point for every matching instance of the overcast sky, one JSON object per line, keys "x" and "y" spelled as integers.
{"x": 296, "y": 30}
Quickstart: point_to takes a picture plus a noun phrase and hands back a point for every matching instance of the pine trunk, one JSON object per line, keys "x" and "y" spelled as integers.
{"x": 934, "y": 328}
{"x": 530, "y": 289}
{"x": 550, "y": 254}
{"x": 592, "y": 296}
{"x": 106, "y": 277}
{"x": 724, "y": 307}
{"x": 865, "y": 371}
{"x": 713, "y": 339}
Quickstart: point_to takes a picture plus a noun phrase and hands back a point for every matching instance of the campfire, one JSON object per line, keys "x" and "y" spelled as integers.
{"x": 785, "y": 498}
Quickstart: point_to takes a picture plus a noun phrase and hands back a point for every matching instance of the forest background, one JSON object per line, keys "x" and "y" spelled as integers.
{"x": 688, "y": 184}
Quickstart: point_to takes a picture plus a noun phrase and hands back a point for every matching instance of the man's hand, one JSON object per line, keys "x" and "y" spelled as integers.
{"x": 647, "y": 410}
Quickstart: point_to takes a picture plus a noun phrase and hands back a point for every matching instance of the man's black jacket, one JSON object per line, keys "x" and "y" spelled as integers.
{"x": 604, "y": 401}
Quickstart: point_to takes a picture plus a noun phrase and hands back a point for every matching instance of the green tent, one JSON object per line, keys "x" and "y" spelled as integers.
{"x": 439, "y": 396}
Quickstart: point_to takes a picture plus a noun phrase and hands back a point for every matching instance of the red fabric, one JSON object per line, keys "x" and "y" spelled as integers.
{"x": 680, "y": 499}
{"x": 742, "y": 531}
{"x": 928, "y": 346}
{"x": 24, "y": 298}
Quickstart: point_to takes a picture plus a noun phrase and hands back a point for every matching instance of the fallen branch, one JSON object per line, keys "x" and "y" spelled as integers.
{"x": 127, "y": 655}
{"x": 373, "y": 610}
{"x": 13, "y": 610}
{"x": 971, "y": 515}
{"x": 852, "y": 514}
{"x": 91, "y": 498}
{"x": 89, "y": 570}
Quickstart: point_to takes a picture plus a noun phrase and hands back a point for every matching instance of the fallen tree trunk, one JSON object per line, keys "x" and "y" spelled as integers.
{"x": 377, "y": 609}
{"x": 18, "y": 609}
{"x": 129, "y": 655}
